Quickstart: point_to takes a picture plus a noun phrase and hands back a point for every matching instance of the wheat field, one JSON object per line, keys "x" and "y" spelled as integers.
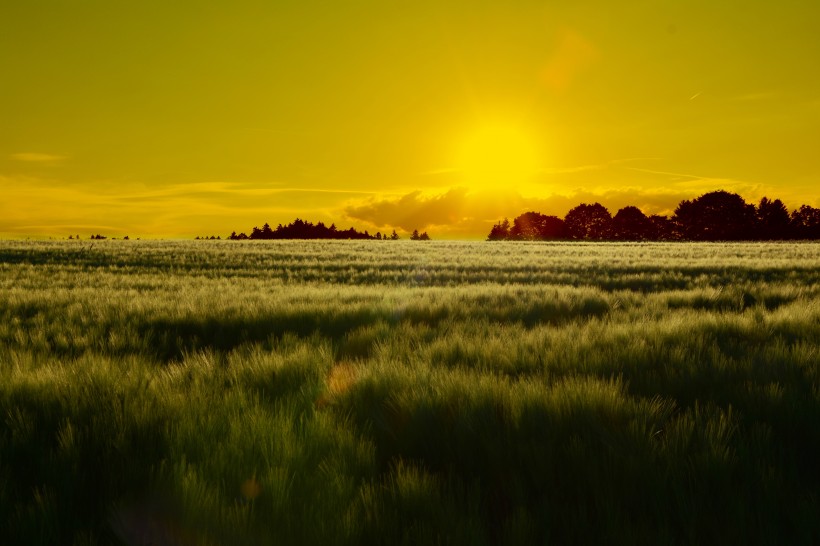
{"x": 397, "y": 392}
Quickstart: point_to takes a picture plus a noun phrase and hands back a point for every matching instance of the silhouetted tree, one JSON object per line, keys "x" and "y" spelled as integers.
{"x": 588, "y": 222}
{"x": 416, "y": 236}
{"x": 301, "y": 229}
{"x": 716, "y": 216}
{"x": 773, "y": 220}
{"x": 500, "y": 231}
{"x": 631, "y": 224}
{"x": 663, "y": 229}
{"x": 805, "y": 223}
{"x": 394, "y": 236}
{"x": 534, "y": 226}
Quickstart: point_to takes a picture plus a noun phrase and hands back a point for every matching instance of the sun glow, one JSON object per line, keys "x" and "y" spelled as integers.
{"x": 498, "y": 155}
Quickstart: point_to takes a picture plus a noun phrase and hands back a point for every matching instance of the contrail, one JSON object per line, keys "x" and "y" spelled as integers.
{"x": 696, "y": 95}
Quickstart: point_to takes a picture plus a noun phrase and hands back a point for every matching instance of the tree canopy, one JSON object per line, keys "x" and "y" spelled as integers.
{"x": 716, "y": 216}
{"x": 589, "y": 222}
{"x": 300, "y": 229}
{"x": 713, "y": 216}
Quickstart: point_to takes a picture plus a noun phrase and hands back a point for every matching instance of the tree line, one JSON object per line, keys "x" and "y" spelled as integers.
{"x": 300, "y": 229}
{"x": 714, "y": 216}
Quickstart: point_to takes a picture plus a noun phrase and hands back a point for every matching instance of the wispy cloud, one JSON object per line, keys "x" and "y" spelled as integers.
{"x": 35, "y": 157}
{"x": 234, "y": 189}
{"x": 33, "y": 205}
{"x": 598, "y": 166}
{"x": 677, "y": 176}
{"x": 558, "y": 170}
{"x": 698, "y": 184}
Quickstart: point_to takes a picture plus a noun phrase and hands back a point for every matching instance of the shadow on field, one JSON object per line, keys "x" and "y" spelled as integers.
{"x": 31, "y": 325}
{"x": 542, "y": 462}
{"x": 71, "y": 454}
{"x": 170, "y": 339}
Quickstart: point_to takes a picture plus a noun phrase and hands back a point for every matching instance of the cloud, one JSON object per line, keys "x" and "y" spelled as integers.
{"x": 459, "y": 212}
{"x": 34, "y": 157}
{"x": 227, "y": 190}
{"x": 413, "y": 210}
{"x": 466, "y": 213}
{"x": 615, "y": 163}
{"x": 47, "y": 206}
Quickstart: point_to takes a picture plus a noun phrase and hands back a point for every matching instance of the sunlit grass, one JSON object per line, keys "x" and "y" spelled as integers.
{"x": 399, "y": 393}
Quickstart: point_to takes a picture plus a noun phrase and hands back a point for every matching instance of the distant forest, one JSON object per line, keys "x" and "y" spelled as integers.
{"x": 300, "y": 229}
{"x": 714, "y": 216}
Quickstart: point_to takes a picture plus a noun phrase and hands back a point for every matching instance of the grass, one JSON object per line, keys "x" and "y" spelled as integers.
{"x": 404, "y": 393}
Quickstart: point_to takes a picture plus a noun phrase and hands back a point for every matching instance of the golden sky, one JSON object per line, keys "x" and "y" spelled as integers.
{"x": 183, "y": 118}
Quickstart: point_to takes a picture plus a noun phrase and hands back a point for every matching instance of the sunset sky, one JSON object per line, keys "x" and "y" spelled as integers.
{"x": 182, "y": 118}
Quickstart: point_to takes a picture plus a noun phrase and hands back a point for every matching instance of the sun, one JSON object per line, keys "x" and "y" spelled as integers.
{"x": 497, "y": 155}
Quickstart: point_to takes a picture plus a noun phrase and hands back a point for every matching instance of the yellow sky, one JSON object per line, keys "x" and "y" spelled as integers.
{"x": 175, "y": 119}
